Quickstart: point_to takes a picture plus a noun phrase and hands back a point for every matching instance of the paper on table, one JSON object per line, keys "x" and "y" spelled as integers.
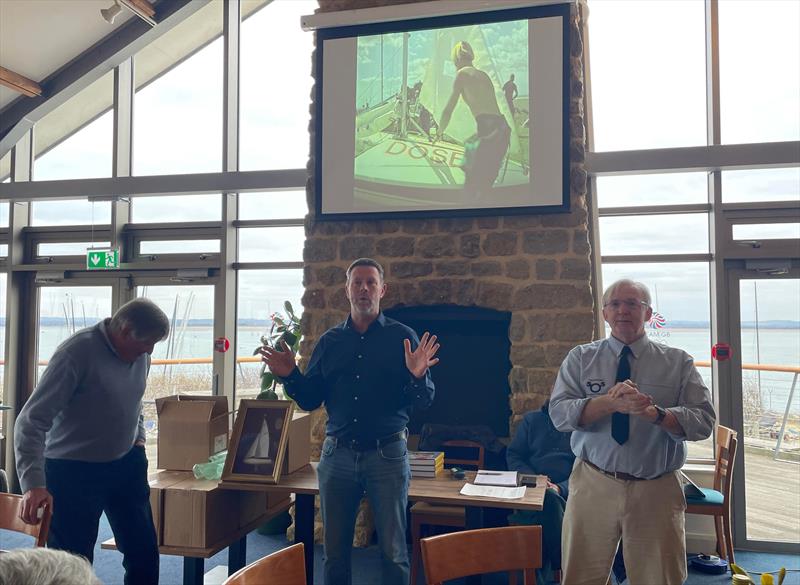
{"x": 505, "y": 493}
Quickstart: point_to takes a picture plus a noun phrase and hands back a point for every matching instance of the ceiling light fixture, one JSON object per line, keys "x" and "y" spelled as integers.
{"x": 110, "y": 13}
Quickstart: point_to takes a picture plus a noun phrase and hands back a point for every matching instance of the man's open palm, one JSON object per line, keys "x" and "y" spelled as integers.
{"x": 422, "y": 358}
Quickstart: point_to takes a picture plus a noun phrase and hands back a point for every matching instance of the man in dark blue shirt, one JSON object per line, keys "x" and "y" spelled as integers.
{"x": 369, "y": 371}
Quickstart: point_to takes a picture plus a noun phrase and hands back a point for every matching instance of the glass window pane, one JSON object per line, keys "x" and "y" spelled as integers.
{"x": 179, "y": 246}
{"x": 168, "y": 208}
{"x": 261, "y": 293}
{"x": 770, "y": 346}
{"x": 276, "y": 87}
{"x": 75, "y": 141}
{"x": 5, "y": 168}
{"x": 68, "y": 248}
{"x": 681, "y": 314}
{"x": 70, "y": 212}
{"x": 3, "y": 250}
{"x": 654, "y": 234}
{"x": 642, "y": 78}
{"x": 761, "y": 185}
{"x": 766, "y": 231}
{"x": 178, "y": 121}
{"x": 63, "y": 310}
{"x": 273, "y": 244}
{"x": 273, "y": 205}
{"x": 666, "y": 189}
{"x": 3, "y": 214}
{"x": 191, "y": 336}
{"x": 759, "y": 53}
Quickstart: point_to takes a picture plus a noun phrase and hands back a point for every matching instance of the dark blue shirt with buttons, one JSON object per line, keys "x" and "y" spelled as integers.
{"x": 363, "y": 380}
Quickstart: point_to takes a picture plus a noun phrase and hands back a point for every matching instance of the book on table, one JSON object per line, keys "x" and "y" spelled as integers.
{"x": 498, "y": 478}
{"x": 426, "y": 459}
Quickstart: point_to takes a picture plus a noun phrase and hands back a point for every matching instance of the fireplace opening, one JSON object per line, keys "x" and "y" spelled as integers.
{"x": 472, "y": 375}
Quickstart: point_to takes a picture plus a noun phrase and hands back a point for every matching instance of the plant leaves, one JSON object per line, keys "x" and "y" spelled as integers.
{"x": 781, "y": 575}
{"x": 289, "y": 309}
{"x": 767, "y": 579}
{"x": 267, "y": 380}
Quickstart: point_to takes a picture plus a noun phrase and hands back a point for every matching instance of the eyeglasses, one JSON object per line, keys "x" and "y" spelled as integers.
{"x": 629, "y": 304}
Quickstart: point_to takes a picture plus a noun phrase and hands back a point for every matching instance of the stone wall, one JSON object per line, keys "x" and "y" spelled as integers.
{"x": 536, "y": 266}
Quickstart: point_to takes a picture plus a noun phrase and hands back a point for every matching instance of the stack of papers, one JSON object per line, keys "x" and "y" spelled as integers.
{"x": 497, "y": 478}
{"x": 506, "y": 493}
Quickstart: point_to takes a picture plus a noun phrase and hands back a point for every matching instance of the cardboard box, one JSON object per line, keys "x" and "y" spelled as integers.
{"x": 254, "y": 504}
{"x": 158, "y": 483}
{"x": 190, "y": 430}
{"x": 198, "y": 514}
{"x": 298, "y": 446}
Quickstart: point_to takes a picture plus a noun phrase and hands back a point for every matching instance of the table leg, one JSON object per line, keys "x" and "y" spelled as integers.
{"x": 237, "y": 555}
{"x": 193, "y": 570}
{"x": 304, "y": 530}
{"x": 473, "y": 521}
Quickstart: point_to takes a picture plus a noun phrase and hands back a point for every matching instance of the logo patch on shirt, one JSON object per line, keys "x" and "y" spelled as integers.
{"x": 595, "y": 386}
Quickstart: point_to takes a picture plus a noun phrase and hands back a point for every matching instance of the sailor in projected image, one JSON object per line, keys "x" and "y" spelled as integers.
{"x": 434, "y": 126}
{"x": 261, "y": 452}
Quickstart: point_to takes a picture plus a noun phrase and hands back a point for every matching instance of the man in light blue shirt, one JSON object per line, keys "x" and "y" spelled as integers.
{"x": 631, "y": 405}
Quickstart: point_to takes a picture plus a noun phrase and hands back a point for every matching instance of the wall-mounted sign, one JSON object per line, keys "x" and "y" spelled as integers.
{"x": 102, "y": 258}
{"x": 221, "y": 344}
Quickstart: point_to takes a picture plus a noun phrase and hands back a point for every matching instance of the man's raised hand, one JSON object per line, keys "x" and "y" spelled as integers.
{"x": 280, "y": 363}
{"x": 422, "y": 358}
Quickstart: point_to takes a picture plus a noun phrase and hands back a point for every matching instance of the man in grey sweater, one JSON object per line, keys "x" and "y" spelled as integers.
{"x": 79, "y": 440}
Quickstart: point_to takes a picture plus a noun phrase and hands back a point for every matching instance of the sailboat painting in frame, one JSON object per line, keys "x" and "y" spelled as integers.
{"x": 258, "y": 443}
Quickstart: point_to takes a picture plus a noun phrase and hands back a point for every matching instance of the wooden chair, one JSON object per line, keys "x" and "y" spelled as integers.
{"x": 488, "y": 550}
{"x": 717, "y": 501}
{"x": 423, "y": 513}
{"x": 286, "y": 566}
{"x": 10, "y": 506}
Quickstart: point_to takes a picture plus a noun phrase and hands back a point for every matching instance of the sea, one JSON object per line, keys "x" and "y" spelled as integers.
{"x": 771, "y": 346}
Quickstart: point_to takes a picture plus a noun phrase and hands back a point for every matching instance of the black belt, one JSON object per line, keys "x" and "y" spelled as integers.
{"x": 369, "y": 444}
{"x": 620, "y": 474}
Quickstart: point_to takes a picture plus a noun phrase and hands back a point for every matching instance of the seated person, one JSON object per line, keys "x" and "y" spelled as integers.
{"x": 538, "y": 448}
{"x": 45, "y": 566}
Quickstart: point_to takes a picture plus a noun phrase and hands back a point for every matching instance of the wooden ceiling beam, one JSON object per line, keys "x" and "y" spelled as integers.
{"x": 19, "y": 83}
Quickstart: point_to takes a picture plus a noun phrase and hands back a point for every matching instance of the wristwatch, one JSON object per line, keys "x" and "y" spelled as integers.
{"x": 660, "y": 414}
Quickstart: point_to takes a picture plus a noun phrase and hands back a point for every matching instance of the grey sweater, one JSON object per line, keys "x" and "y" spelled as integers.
{"x": 86, "y": 407}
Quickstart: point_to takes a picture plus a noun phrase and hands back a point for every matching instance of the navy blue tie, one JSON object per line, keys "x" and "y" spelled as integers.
{"x": 620, "y": 422}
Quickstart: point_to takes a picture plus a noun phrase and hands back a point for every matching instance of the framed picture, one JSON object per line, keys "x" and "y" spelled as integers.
{"x": 258, "y": 443}
{"x": 464, "y": 114}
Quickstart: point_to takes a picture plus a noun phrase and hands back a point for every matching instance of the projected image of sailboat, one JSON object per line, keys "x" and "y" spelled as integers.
{"x": 258, "y": 454}
{"x": 398, "y": 159}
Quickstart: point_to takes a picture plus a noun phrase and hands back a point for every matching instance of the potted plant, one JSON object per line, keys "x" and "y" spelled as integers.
{"x": 284, "y": 328}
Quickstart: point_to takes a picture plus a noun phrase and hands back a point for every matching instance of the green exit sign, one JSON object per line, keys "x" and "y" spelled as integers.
{"x": 106, "y": 259}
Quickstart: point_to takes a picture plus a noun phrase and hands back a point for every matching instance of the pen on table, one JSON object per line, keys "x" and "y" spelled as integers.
{"x": 490, "y": 473}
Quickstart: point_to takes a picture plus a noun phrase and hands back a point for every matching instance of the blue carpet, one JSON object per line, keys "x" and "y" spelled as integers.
{"x": 366, "y": 561}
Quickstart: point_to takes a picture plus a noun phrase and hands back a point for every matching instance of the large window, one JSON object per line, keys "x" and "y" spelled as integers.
{"x": 653, "y": 98}
{"x": 276, "y": 87}
{"x": 759, "y": 70}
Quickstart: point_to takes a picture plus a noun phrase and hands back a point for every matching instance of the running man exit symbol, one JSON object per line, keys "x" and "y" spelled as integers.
{"x": 107, "y": 259}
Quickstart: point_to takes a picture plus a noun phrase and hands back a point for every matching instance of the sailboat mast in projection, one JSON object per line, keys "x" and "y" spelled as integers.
{"x": 258, "y": 454}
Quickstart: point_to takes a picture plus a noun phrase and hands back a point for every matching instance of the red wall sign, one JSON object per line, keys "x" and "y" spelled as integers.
{"x": 221, "y": 344}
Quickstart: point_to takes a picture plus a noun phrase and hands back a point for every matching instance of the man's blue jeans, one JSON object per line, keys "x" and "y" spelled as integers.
{"x": 345, "y": 476}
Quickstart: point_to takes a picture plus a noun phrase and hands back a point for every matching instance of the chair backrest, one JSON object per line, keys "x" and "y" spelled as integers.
{"x": 286, "y": 566}
{"x": 10, "y": 506}
{"x": 463, "y": 448}
{"x": 726, "y": 451}
{"x": 487, "y": 550}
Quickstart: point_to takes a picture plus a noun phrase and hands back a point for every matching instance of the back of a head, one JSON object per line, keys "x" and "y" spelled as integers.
{"x": 45, "y": 566}
{"x": 462, "y": 51}
{"x": 142, "y": 318}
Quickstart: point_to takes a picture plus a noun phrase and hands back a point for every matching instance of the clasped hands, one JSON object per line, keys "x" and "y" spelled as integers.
{"x": 625, "y": 397}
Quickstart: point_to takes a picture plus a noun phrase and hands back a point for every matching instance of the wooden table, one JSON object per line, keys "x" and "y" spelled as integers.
{"x": 194, "y": 557}
{"x": 439, "y": 490}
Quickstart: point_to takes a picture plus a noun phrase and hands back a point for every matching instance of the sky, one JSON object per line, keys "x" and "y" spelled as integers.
{"x": 178, "y": 129}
